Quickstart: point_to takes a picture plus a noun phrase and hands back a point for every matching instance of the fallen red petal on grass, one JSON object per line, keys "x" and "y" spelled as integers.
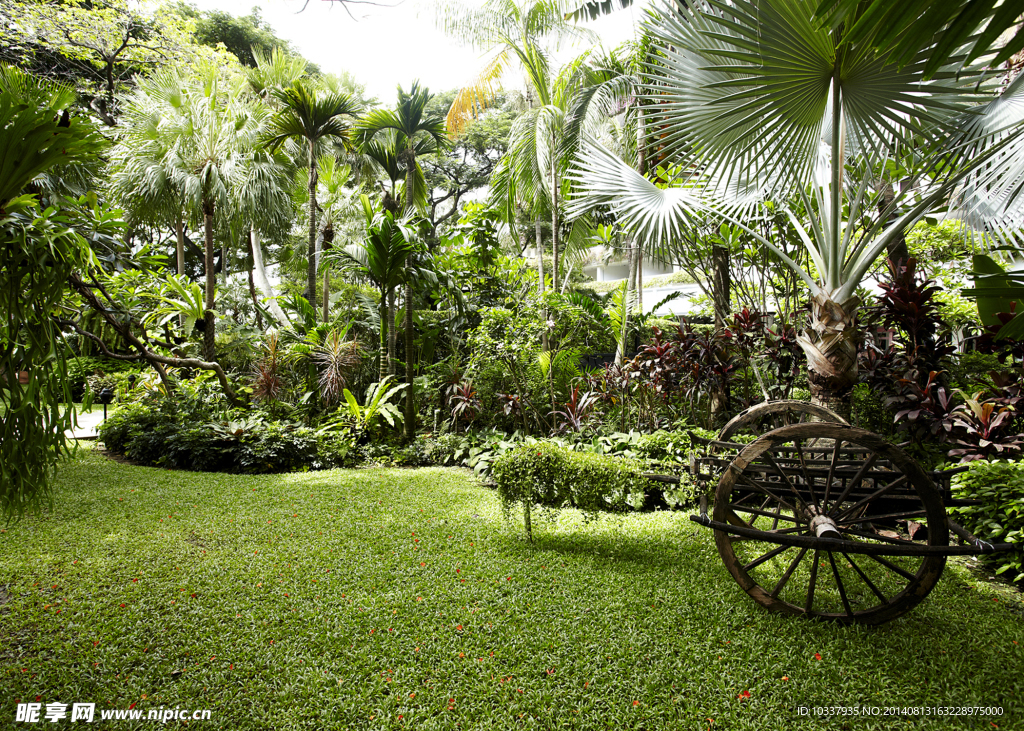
{"x": 636, "y": 703}
{"x": 817, "y": 656}
{"x": 744, "y": 695}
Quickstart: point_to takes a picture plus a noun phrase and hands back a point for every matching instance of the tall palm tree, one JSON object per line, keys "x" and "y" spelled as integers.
{"x": 208, "y": 131}
{"x": 514, "y": 32}
{"x": 381, "y": 257}
{"x": 757, "y": 102}
{"x": 416, "y": 132}
{"x": 335, "y": 199}
{"x": 312, "y": 116}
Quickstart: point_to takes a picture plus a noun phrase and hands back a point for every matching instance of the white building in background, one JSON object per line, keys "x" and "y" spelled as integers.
{"x": 611, "y": 266}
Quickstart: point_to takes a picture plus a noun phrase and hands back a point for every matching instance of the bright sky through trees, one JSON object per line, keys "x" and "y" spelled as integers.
{"x": 385, "y": 46}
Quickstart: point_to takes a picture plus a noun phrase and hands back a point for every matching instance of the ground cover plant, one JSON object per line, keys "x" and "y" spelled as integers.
{"x": 389, "y": 598}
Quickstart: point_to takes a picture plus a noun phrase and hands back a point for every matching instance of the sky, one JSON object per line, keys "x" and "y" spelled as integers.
{"x": 391, "y": 43}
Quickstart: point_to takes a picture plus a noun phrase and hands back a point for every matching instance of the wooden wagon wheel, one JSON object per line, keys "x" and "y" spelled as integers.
{"x": 846, "y": 485}
{"x": 768, "y": 415}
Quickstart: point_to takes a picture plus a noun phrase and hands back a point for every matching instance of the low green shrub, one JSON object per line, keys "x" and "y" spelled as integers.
{"x": 165, "y": 434}
{"x": 999, "y": 517}
{"x": 555, "y": 476}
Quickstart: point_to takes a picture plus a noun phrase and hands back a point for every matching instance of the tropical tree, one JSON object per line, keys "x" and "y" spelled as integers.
{"x": 756, "y": 102}
{"x": 416, "y": 132}
{"x": 207, "y": 132}
{"x": 335, "y": 200}
{"x": 312, "y": 116}
{"x": 513, "y": 32}
{"x": 381, "y": 257}
{"x": 38, "y": 251}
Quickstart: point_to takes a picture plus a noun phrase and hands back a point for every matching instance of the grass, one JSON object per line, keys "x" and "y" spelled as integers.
{"x": 366, "y": 599}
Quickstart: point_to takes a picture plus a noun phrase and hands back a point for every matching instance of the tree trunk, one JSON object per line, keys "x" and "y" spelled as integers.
{"x": 410, "y": 403}
{"x": 540, "y": 257}
{"x": 224, "y": 263}
{"x": 263, "y": 282}
{"x": 554, "y": 226}
{"x": 720, "y": 285}
{"x": 211, "y": 284}
{"x": 252, "y": 282}
{"x": 311, "y": 272}
{"x": 328, "y": 240}
{"x": 620, "y": 350}
{"x": 179, "y": 230}
{"x": 392, "y": 333}
{"x": 830, "y": 344}
{"x": 382, "y": 371}
{"x": 897, "y": 250}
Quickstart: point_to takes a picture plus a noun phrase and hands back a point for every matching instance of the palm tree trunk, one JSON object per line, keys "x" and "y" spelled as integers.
{"x": 720, "y": 293}
{"x": 829, "y": 342}
{"x": 392, "y": 333}
{"x": 311, "y": 272}
{"x": 179, "y": 230}
{"x": 252, "y": 281}
{"x": 540, "y": 256}
{"x": 620, "y": 349}
{"x": 328, "y": 239}
{"x": 211, "y": 283}
{"x": 554, "y": 225}
{"x": 224, "y": 262}
{"x": 382, "y": 371}
{"x": 410, "y": 404}
{"x": 262, "y": 281}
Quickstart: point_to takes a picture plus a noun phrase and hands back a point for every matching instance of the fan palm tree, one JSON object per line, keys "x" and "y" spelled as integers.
{"x": 206, "y": 130}
{"x": 756, "y": 102}
{"x": 312, "y": 116}
{"x": 381, "y": 257}
{"x": 416, "y": 132}
{"x": 334, "y": 200}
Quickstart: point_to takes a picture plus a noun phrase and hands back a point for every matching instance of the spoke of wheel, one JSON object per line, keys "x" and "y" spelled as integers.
{"x": 765, "y": 490}
{"x": 855, "y": 480}
{"x": 766, "y": 557}
{"x": 839, "y": 585}
{"x": 892, "y": 567}
{"x": 885, "y": 516}
{"x": 744, "y": 498}
{"x": 871, "y": 585}
{"x": 898, "y": 482}
{"x": 876, "y": 537}
{"x": 831, "y": 473}
{"x": 807, "y": 478}
{"x": 785, "y": 477}
{"x": 765, "y": 513}
{"x": 789, "y": 572}
{"x": 811, "y": 583}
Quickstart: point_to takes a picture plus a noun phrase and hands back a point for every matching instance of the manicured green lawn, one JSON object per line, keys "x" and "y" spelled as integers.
{"x": 400, "y": 599}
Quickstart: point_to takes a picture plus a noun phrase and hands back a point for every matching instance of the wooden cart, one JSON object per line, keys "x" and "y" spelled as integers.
{"x": 819, "y": 518}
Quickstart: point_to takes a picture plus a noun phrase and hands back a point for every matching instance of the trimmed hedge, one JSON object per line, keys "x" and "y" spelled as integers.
{"x": 1000, "y": 516}
{"x": 557, "y": 477}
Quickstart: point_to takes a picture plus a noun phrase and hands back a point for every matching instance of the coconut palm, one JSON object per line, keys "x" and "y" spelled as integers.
{"x": 416, "y": 132}
{"x": 756, "y": 102}
{"x": 312, "y": 116}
